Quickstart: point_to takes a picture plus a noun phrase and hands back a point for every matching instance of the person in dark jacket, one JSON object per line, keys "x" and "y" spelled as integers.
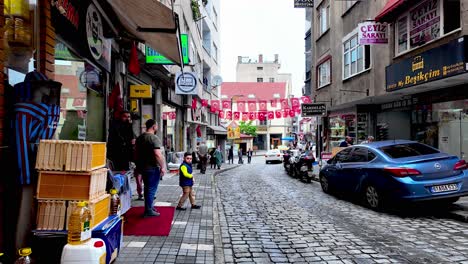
{"x": 231, "y": 156}
{"x": 186, "y": 182}
{"x": 121, "y": 141}
{"x": 249, "y": 155}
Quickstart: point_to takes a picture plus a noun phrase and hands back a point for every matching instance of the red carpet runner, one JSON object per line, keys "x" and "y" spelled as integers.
{"x": 137, "y": 225}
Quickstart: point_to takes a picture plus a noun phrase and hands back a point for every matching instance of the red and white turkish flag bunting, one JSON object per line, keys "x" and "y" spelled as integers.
{"x": 221, "y": 114}
{"x": 295, "y": 102}
{"x": 273, "y": 102}
{"x": 306, "y": 100}
{"x": 292, "y": 113}
{"x": 241, "y": 106}
{"x": 278, "y": 113}
{"x": 245, "y": 116}
{"x": 172, "y": 115}
{"x": 297, "y": 110}
{"x": 285, "y": 112}
{"x": 194, "y": 103}
{"x": 262, "y": 116}
{"x": 236, "y": 115}
{"x": 204, "y": 102}
{"x": 164, "y": 115}
{"x": 271, "y": 115}
{"x": 214, "y": 106}
{"x": 262, "y": 105}
{"x": 229, "y": 115}
{"x": 226, "y": 104}
{"x": 284, "y": 103}
{"x": 252, "y": 106}
{"x": 252, "y": 116}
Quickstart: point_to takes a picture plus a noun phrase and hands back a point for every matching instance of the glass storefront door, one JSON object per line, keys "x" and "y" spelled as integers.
{"x": 453, "y": 127}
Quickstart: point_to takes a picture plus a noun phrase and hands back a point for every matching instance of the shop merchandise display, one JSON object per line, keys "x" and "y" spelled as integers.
{"x": 79, "y": 225}
{"x": 382, "y": 131}
{"x": 115, "y": 202}
{"x": 337, "y": 132}
{"x": 362, "y": 129}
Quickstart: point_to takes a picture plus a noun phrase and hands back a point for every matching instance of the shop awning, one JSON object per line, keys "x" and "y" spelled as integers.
{"x": 218, "y": 130}
{"x": 389, "y": 8}
{"x": 153, "y": 23}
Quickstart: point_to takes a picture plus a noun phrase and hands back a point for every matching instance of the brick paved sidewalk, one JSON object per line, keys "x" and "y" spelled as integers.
{"x": 191, "y": 239}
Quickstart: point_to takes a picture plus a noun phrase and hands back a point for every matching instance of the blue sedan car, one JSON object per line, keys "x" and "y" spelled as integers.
{"x": 396, "y": 170}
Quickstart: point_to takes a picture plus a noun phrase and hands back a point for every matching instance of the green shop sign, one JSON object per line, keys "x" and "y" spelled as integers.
{"x": 154, "y": 57}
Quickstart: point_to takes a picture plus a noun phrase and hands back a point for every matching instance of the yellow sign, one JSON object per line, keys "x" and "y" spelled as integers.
{"x": 233, "y": 132}
{"x": 141, "y": 91}
{"x": 134, "y": 105}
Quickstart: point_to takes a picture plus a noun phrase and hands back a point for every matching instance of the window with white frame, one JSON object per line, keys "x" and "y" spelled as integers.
{"x": 347, "y": 4}
{"x": 356, "y": 57}
{"x": 323, "y": 18}
{"x": 425, "y": 22}
{"x": 324, "y": 73}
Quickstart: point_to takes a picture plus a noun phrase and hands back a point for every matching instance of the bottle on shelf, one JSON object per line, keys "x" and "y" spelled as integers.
{"x": 115, "y": 202}
{"x": 79, "y": 226}
{"x": 24, "y": 254}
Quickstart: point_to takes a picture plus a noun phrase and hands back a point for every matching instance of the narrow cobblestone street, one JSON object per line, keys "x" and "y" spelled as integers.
{"x": 268, "y": 217}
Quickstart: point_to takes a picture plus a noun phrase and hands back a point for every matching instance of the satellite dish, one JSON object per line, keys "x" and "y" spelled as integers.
{"x": 216, "y": 81}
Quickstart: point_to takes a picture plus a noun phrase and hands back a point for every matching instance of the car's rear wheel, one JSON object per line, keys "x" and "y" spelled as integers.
{"x": 372, "y": 197}
{"x": 325, "y": 184}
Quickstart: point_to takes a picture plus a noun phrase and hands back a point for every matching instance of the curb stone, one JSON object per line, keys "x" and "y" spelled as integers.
{"x": 218, "y": 245}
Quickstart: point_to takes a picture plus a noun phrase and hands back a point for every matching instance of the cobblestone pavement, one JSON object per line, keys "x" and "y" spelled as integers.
{"x": 191, "y": 239}
{"x": 269, "y": 217}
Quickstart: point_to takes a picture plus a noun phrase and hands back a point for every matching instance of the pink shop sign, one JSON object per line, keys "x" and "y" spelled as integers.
{"x": 371, "y": 32}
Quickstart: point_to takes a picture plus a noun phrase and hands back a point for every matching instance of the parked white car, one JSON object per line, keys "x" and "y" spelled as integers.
{"x": 273, "y": 155}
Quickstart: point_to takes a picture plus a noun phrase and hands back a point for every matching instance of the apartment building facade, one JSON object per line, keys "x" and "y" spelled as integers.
{"x": 414, "y": 87}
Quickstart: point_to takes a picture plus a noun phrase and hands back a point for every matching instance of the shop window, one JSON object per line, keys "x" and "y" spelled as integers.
{"x": 347, "y": 4}
{"x": 324, "y": 73}
{"x": 323, "y": 18}
{"x": 426, "y": 22}
{"x": 356, "y": 57}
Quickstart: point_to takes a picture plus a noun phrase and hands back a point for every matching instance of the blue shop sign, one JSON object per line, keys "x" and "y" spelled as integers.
{"x": 435, "y": 64}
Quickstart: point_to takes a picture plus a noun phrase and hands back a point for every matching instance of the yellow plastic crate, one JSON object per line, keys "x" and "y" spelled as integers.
{"x": 68, "y": 155}
{"x": 53, "y": 215}
{"x": 72, "y": 185}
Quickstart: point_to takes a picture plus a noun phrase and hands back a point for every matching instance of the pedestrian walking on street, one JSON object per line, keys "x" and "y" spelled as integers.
{"x": 249, "y": 155}
{"x": 186, "y": 183}
{"x": 121, "y": 142}
{"x": 218, "y": 156}
{"x": 150, "y": 163}
{"x": 347, "y": 142}
{"x": 239, "y": 154}
{"x": 212, "y": 159}
{"x": 231, "y": 156}
{"x": 203, "y": 157}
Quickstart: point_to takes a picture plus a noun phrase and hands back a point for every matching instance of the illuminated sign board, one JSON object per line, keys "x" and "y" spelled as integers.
{"x": 154, "y": 57}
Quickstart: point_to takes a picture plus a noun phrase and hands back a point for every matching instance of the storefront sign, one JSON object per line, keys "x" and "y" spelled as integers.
{"x": 325, "y": 156}
{"x": 186, "y": 83}
{"x": 154, "y": 57}
{"x": 437, "y": 63}
{"x": 303, "y": 3}
{"x": 233, "y": 132}
{"x": 399, "y": 104}
{"x": 424, "y": 23}
{"x": 308, "y": 110}
{"x": 141, "y": 91}
{"x": 371, "y": 32}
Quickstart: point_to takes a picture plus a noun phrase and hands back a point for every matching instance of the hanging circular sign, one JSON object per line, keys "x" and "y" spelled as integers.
{"x": 94, "y": 32}
{"x": 186, "y": 83}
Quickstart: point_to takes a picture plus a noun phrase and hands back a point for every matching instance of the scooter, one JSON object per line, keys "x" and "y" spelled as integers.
{"x": 286, "y": 164}
{"x": 302, "y": 165}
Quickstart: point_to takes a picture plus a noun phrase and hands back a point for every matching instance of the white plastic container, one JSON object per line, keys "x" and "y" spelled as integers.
{"x": 91, "y": 252}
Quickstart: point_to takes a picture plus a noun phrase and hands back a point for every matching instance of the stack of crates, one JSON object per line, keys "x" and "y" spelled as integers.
{"x": 69, "y": 172}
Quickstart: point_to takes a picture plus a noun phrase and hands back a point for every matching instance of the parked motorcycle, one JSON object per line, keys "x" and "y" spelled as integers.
{"x": 286, "y": 157}
{"x": 302, "y": 166}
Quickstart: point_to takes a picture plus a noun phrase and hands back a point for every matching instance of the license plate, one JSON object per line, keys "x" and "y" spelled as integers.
{"x": 444, "y": 188}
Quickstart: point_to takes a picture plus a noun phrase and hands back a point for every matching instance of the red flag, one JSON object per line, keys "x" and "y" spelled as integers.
{"x": 245, "y": 116}
{"x": 292, "y": 113}
{"x": 262, "y": 105}
{"x": 214, "y": 106}
{"x": 204, "y": 102}
{"x": 297, "y": 110}
{"x": 134, "y": 65}
{"x": 285, "y": 112}
{"x": 115, "y": 100}
{"x": 199, "y": 134}
{"x": 271, "y": 115}
{"x": 236, "y": 115}
{"x": 306, "y": 99}
{"x": 229, "y": 115}
{"x": 273, "y": 102}
{"x": 252, "y": 115}
{"x": 221, "y": 114}
{"x": 278, "y": 113}
{"x": 164, "y": 115}
{"x": 261, "y": 116}
{"x": 194, "y": 103}
{"x": 226, "y": 104}
{"x": 241, "y": 106}
{"x": 284, "y": 103}
{"x": 172, "y": 115}
{"x": 295, "y": 102}
{"x": 252, "y": 105}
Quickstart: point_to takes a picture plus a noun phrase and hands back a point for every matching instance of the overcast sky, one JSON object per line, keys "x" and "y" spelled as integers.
{"x": 268, "y": 27}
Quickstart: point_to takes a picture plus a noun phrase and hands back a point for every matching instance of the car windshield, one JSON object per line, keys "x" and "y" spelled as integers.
{"x": 407, "y": 150}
